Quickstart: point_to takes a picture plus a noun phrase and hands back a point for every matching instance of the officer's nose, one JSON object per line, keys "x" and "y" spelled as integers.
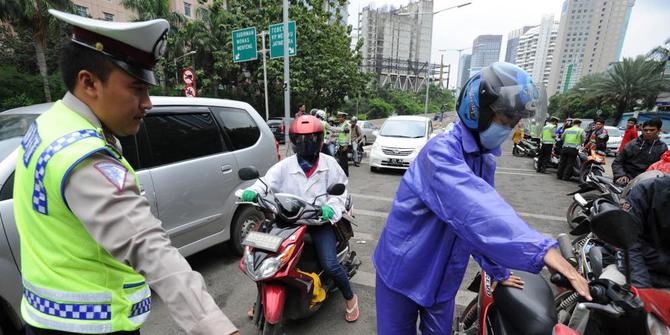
{"x": 146, "y": 102}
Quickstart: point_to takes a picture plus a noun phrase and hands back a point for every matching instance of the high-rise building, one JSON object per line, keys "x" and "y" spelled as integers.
{"x": 463, "y": 70}
{"x": 535, "y": 50}
{"x": 590, "y": 38}
{"x": 114, "y": 11}
{"x": 397, "y": 43}
{"x": 485, "y": 51}
{"x": 513, "y": 43}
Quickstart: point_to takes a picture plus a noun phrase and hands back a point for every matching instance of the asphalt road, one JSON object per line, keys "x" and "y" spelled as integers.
{"x": 540, "y": 199}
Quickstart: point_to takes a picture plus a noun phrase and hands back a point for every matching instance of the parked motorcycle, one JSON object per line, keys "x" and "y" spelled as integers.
{"x": 593, "y": 188}
{"x": 591, "y": 161}
{"x": 552, "y": 163}
{"x": 281, "y": 258}
{"x": 527, "y": 147}
{"x": 616, "y": 308}
{"x": 619, "y": 308}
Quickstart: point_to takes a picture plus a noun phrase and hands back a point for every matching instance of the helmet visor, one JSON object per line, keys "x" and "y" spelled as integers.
{"x": 306, "y": 145}
{"x": 516, "y": 102}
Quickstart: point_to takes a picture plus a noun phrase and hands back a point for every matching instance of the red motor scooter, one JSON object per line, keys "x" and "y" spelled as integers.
{"x": 281, "y": 259}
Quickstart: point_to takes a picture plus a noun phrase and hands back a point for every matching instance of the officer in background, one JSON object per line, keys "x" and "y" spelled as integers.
{"x": 548, "y": 141}
{"x": 90, "y": 247}
{"x": 573, "y": 138}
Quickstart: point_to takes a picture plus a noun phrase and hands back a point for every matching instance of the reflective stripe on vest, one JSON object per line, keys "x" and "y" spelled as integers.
{"x": 39, "y": 192}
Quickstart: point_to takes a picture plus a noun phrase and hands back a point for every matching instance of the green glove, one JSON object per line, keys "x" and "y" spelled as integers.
{"x": 249, "y": 196}
{"x": 327, "y": 213}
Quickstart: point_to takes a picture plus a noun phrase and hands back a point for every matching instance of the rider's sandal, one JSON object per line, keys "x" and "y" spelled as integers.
{"x": 353, "y": 313}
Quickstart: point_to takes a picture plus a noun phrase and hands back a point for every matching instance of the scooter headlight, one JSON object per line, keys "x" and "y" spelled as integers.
{"x": 656, "y": 326}
{"x": 269, "y": 266}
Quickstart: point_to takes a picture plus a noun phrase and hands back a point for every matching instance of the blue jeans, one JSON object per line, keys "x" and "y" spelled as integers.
{"x": 326, "y": 249}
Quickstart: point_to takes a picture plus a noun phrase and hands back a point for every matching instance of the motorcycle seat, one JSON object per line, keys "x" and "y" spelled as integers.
{"x": 531, "y": 310}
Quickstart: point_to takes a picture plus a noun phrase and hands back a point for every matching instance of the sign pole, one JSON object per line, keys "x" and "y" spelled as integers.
{"x": 287, "y": 81}
{"x": 265, "y": 75}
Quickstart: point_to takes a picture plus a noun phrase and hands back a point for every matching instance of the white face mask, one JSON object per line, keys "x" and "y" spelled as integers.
{"x": 494, "y": 135}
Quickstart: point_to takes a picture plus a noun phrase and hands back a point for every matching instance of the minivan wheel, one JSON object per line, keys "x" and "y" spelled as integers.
{"x": 245, "y": 221}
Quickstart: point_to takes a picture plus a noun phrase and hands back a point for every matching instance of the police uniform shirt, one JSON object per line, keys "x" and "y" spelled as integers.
{"x": 119, "y": 219}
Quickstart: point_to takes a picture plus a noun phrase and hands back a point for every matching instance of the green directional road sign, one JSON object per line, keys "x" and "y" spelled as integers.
{"x": 244, "y": 45}
{"x": 277, "y": 40}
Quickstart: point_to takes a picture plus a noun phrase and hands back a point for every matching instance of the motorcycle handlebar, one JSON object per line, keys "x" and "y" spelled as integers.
{"x": 598, "y": 293}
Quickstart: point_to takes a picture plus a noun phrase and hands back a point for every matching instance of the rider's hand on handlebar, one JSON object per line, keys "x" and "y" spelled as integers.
{"x": 623, "y": 180}
{"x": 249, "y": 196}
{"x": 327, "y": 213}
{"x": 554, "y": 260}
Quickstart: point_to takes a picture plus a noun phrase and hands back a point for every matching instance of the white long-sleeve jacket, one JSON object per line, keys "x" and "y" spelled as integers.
{"x": 287, "y": 177}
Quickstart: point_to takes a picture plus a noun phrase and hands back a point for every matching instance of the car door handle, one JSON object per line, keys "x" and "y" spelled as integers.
{"x": 226, "y": 169}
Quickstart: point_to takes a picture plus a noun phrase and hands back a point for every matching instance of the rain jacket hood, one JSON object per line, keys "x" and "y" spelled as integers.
{"x": 445, "y": 210}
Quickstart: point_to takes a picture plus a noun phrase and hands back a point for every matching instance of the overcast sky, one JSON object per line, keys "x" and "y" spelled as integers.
{"x": 649, "y": 24}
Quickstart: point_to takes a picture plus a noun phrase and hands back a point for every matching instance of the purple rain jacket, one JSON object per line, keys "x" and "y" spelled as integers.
{"x": 446, "y": 209}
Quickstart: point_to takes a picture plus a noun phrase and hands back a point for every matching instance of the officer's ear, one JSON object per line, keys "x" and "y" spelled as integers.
{"x": 88, "y": 83}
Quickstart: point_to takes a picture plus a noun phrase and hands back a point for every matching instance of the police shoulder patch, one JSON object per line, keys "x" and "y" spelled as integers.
{"x": 113, "y": 172}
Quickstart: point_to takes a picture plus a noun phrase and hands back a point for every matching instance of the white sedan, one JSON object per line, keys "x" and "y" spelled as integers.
{"x": 614, "y": 141}
{"x": 399, "y": 142}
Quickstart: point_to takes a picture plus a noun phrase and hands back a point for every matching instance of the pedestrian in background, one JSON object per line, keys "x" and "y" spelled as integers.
{"x": 572, "y": 138}
{"x": 630, "y": 133}
{"x": 301, "y": 110}
{"x": 518, "y": 135}
{"x": 91, "y": 250}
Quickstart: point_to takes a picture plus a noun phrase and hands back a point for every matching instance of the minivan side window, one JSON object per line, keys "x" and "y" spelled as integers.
{"x": 183, "y": 136}
{"x": 238, "y": 125}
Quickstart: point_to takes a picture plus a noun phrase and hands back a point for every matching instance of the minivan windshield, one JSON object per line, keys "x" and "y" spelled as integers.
{"x": 403, "y": 128}
{"x": 12, "y": 129}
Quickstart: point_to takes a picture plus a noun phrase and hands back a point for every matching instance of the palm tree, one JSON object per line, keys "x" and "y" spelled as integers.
{"x": 33, "y": 15}
{"x": 630, "y": 84}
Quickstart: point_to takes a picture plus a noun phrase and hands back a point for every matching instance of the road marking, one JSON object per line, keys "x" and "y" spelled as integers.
{"x": 385, "y": 215}
{"x": 524, "y": 174}
{"x": 513, "y": 169}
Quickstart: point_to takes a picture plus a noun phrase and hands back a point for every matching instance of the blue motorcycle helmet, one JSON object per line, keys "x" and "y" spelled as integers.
{"x": 500, "y": 88}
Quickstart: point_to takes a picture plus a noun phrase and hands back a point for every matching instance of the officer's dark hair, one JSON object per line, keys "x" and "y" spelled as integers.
{"x": 634, "y": 120}
{"x": 655, "y": 122}
{"x": 74, "y": 58}
{"x": 600, "y": 120}
{"x": 576, "y": 121}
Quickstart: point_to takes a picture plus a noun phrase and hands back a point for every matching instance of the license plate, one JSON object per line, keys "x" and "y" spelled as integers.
{"x": 263, "y": 241}
{"x": 395, "y": 161}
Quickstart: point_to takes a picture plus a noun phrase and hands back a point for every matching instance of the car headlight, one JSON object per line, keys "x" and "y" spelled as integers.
{"x": 655, "y": 326}
{"x": 269, "y": 266}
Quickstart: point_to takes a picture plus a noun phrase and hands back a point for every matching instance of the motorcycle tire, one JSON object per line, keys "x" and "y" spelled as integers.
{"x": 535, "y": 164}
{"x": 575, "y": 209}
{"x": 270, "y": 329}
{"x": 469, "y": 315}
{"x": 516, "y": 152}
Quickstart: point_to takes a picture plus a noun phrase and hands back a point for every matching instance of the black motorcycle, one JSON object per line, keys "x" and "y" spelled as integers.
{"x": 527, "y": 147}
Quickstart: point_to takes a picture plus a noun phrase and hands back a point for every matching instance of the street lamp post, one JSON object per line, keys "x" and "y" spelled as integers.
{"x": 176, "y": 71}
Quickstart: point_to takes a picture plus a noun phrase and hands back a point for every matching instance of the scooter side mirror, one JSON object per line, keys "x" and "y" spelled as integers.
{"x": 614, "y": 225}
{"x": 248, "y": 173}
{"x": 336, "y": 189}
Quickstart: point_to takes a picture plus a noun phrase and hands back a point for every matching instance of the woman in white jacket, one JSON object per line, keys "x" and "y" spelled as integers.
{"x": 308, "y": 174}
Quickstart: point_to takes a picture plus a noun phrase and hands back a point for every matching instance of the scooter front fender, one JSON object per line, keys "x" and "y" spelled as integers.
{"x": 274, "y": 299}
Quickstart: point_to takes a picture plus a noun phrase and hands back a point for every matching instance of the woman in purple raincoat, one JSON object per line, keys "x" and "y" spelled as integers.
{"x": 446, "y": 209}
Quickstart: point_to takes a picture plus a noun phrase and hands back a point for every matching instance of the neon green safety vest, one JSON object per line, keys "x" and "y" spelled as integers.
{"x": 573, "y": 137}
{"x": 326, "y": 133}
{"x": 548, "y": 134}
{"x": 342, "y": 137}
{"x": 70, "y": 282}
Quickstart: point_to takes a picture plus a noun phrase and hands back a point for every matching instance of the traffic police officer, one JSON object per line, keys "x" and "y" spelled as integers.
{"x": 572, "y": 140}
{"x": 548, "y": 141}
{"x": 90, "y": 247}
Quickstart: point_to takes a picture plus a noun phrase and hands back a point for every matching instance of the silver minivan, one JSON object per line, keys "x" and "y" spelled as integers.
{"x": 186, "y": 154}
